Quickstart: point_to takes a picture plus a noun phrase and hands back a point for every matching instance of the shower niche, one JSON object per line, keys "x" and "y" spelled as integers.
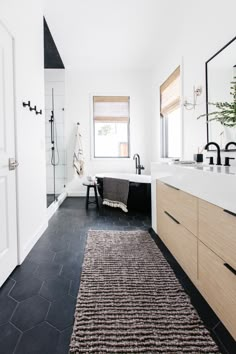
{"x": 55, "y": 133}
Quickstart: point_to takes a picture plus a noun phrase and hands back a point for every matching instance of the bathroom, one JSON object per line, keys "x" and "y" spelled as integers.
{"x": 110, "y": 49}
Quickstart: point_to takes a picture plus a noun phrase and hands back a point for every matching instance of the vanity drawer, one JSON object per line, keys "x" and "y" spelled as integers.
{"x": 181, "y": 205}
{"x": 218, "y": 285}
{"x": 217, "y": 230}
{"x": 181, "y": 243}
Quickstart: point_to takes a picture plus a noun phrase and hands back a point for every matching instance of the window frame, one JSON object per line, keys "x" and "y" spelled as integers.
{"x": 161, "y": 128}
{"x": 115, "y": 158}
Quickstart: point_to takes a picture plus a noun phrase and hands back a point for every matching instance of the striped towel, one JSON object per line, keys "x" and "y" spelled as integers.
{"x": 78, "y": 157}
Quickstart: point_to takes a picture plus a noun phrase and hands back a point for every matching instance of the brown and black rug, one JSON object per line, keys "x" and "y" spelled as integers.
{"x": 131, "y": 302}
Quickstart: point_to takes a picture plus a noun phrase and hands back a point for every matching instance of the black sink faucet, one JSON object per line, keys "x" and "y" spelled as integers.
{"x": 218, "y": 152}
{"x": 138, "y": 166}
{"x": 227, "y": 159}
{"x": 228, "y": 144}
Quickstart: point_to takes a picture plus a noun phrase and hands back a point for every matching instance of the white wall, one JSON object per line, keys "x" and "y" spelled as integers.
{"x": 80, "y": 87}
{"x": 24, "y": 19}
{"x": 206, "y": 27}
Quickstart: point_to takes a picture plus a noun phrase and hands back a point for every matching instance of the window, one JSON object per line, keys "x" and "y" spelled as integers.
{"x": 111, "y": 126}
{"x": 171, "y": 123}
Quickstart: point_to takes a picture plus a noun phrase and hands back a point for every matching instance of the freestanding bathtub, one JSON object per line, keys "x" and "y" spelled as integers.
{"x": 139, "y": 189}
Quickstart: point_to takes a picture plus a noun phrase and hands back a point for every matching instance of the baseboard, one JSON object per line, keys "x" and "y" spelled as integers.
{"x": 54, "y": 206}
{"x": 152, "y": 232}
{"x": 30, "y": 244}
{"x": 79, "y": 194}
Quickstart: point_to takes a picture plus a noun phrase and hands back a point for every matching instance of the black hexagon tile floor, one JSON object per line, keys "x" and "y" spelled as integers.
{"x": 42, "y": 339}
{"x": 61, "y": 312}
{"x": 30, "y": 312}
{"x": 55, "y": 288}
{"x": 37, "y": 302}
{"x": 25, "y": 289}
{"x": 9, "y": 336}
{"x": 7, "y": 306}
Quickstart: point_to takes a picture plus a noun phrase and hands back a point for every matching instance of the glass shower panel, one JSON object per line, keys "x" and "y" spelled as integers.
{"x": 55, "y": 132}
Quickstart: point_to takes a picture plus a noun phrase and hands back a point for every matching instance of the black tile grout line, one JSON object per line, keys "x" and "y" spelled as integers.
{"x": 18, "y": 342}
{"x": 49, "y": 307}
{"x": 213, "y": 328}
{"x": 70, "y": 287}
{"x": 12, "y": 298}
{"x": 53, "y": 258}
{"x": 14, "y": 281}
{"x": 60, "y": 272}
{"x": 17, "y": 305}
{"x": 164, "y": 250}
{"x": 41, "y": 287}
{"x": 57, "y": 329}
{"x": 219, "y": 342}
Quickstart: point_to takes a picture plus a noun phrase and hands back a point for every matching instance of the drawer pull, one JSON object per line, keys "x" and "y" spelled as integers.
{"x": 168, "y": 185}
{"x": 230, "y": 268}
{"x": 229, "y": 212}
{"x": 170, "y": 216}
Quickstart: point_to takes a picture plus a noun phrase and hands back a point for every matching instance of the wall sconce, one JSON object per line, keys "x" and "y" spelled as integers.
{"x": 196, "y": 93}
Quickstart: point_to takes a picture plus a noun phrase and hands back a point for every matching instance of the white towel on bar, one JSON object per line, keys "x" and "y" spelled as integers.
{"x": 78, "y": 157}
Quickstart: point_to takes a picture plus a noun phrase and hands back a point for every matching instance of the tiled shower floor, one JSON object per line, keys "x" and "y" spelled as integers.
{"x": 37, "y": 302}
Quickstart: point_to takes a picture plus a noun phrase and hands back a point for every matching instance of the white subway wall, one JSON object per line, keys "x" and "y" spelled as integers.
{"x": 24, "y": 19}
{"x": 206, "y": 27}
{"x": 80, "y": 87}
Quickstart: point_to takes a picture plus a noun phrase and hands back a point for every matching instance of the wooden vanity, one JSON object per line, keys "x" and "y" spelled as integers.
{"x": 202, "y": 238}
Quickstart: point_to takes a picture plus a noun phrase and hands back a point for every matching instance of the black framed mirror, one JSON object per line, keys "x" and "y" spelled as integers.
{"x": 220, "y": 71}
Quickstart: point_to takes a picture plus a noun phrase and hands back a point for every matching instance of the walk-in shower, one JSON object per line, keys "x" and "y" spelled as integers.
{"x": 54, "y": 123}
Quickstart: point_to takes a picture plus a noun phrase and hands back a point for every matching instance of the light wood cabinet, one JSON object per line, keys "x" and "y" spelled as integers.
{"x": 202, "y": 238}
{"x": 181, "y": 205}
{"x": 181, "y": 242}
{"x": 218, "y": 286}
{"x": 217, "y": 230}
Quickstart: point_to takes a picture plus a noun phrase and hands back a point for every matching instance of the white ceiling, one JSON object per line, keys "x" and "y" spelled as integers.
{"x": 112, "y": 34}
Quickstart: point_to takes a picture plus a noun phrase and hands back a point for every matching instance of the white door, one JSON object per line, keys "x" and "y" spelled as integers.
{"x": 8, "y": 228}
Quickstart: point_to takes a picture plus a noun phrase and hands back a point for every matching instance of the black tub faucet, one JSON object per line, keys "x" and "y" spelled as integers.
{"x": 218, "y": 152}
{"x": 138, "y": 166}
{"x": 228, "y": 144}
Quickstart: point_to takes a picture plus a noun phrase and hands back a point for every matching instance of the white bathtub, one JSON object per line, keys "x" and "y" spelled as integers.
{"x": 129, "y": 176}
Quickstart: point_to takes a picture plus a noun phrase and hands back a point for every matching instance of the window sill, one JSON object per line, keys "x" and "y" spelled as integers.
{"x": 110, "y": 158}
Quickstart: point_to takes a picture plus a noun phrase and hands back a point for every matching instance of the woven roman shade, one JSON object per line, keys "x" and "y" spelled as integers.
{"x": 170, "y": 93}
{"x": 111, "y": 109}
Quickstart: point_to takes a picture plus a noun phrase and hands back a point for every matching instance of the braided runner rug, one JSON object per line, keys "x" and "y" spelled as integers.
{"x": 130, "y": 300}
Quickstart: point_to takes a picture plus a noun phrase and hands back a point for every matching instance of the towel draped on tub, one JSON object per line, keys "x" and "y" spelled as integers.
{"x": 115, "y": 193}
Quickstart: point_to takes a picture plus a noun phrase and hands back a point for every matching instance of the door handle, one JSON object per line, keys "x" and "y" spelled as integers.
{"x": 13, "y": 164}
